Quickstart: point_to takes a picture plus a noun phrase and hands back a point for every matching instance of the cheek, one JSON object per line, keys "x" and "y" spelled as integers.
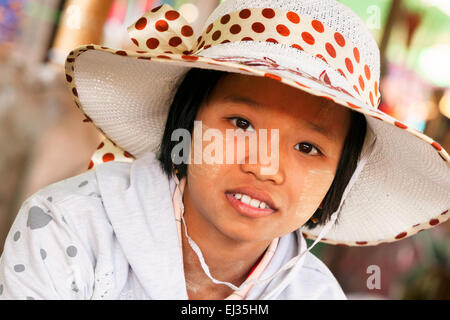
{"x": 310, "y": 190}
{"x": 202, "y": 169}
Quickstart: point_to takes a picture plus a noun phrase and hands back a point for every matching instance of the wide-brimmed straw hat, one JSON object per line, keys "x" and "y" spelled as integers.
{"x": 318, "y": 46}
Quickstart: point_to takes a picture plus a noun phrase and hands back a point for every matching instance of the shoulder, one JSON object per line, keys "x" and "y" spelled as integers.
{"x": 315, "y": 265}
{"x": 319, "y": 276}
{"x": 83, "y": 187}
{"x": 76, "y": 205}
{"x": 314, "y": 281}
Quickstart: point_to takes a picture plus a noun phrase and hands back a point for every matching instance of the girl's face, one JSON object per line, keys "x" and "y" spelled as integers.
{"x": 307, "y": 157}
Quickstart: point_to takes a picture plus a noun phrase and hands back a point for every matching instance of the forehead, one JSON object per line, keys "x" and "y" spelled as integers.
{"x": 278, "y": 99}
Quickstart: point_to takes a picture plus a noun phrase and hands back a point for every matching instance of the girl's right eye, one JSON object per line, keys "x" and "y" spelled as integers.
{"x": 241, "y": 123}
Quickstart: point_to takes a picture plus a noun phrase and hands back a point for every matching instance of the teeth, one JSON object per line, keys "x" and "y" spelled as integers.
{"x": 246, "y": 199}
{"x": 252, "y": 202}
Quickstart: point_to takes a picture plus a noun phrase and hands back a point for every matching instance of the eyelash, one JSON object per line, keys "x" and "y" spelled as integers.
{"x": 319, "y": 153}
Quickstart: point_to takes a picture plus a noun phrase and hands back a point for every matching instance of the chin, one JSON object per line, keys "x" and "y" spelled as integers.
{"x": 247, "y": 230}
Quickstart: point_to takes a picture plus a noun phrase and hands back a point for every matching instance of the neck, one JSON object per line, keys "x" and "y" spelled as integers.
{"x": 228, "y": 259}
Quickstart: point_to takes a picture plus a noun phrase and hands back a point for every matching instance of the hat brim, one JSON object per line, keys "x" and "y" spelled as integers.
{"x": 408, "y": 172}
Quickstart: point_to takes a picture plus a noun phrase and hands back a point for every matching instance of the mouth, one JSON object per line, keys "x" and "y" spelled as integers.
{"x": 251, "y": 203}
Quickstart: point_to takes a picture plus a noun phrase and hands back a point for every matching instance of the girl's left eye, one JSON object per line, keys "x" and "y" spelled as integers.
{"x": 307, "y": 147}
{"x": 241, "y": 123}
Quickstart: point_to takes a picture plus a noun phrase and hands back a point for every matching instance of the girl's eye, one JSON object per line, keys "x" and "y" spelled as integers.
{"x": 241, "y": 123}
{"x": 307, "y": 147}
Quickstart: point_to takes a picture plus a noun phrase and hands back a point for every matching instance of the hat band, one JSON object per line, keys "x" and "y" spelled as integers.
{"x": 164, "y": 29}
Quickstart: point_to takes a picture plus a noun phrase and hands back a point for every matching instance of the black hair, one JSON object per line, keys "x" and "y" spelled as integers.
{"x": 198, "y": 84}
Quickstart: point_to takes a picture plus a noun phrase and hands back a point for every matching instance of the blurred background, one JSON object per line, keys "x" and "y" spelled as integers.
{"x": 43, "y": 138}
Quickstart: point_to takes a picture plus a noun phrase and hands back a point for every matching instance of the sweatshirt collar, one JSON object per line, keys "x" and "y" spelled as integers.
{"x": 137, "y": 199}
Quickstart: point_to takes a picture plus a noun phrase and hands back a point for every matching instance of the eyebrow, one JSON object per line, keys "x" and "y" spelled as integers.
{"x": 256, "y": 105}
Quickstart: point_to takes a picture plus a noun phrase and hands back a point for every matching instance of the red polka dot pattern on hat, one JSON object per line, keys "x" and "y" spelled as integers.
{"x": 414, "y": 229}
{"x": 141, "y": 23}
{"x": 272, "y": 76}
{"x": 318, "y": 26}
{"x": 401, "y": 235}
{"x": 434, "y": 222}
{"x": 225, "y": 19}
{"x": 161, "y": 25}
{"x": 152, "y": 43}
{"x": 293, "y": 17}
{"x": 216, "y": 35}
{"x": 339, "y": 39}
{"x": 356, "y": 54}
{"x": 162, "y": 29}
{"x": 367, "y": 72}
{"x": 400, "y": 125}
{"x": 191, "y": 58}
{"x": 235, "y": 29}
{"x": 437, "y": 146}
{"x": 156, "y": 8}
{"x": 108, "y": 157}
{"x": 172, "y": 15}
{"x": 349, "y": 65}
{"x": 127, "y": 154}
{"x": 244, "y": 14}
{"x": 187, "y": 31}
{"x": 308, "y": 38}
{"x": 283, "y": 30}
{"x": 268, "y": 13}
{"x": 167, "y": 31}
{"x": 321, "y": 57}
{"x": 354, "y": 106}
{"x": 302, "y": 85}
{"x": 258, "y": 27}
{"x": 361, "y": 83}
{"x": 175, "y": 41}
{"x": 109, "y": 151}
{"x": 330, "y": 49}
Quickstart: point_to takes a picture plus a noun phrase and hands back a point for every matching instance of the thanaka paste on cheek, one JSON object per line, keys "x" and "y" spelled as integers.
{"x": 315, "y": 186}
{"x": 198, "y": 166}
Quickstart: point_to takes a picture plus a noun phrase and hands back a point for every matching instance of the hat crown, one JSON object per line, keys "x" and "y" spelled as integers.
{"x": 337, "y": 16}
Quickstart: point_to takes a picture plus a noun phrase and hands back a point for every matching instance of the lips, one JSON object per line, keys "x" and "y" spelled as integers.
{"x": 255, "y": 194}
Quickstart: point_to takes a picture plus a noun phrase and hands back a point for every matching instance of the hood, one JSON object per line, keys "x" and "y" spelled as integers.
{"x": 147, "y": 233}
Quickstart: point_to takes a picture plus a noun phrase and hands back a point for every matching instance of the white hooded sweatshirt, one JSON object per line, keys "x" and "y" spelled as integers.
{"x": 111, "y": 234}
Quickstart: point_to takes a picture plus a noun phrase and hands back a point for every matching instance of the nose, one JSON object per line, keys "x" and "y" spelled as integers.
{"x": 263, "y": 172}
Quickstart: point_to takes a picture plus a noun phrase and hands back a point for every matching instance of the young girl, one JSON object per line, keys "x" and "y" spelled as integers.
{"x": 191, "y": 217}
